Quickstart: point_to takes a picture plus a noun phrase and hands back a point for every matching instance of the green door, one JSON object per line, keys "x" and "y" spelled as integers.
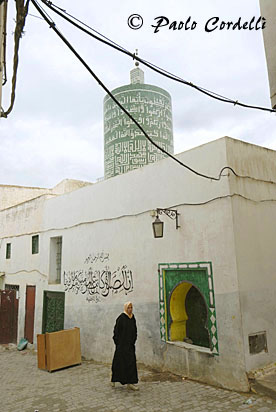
{"x": 53, "y": 311}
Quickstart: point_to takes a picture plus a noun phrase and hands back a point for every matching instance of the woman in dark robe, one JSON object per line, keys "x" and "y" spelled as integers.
{"x": 124, "y": 369}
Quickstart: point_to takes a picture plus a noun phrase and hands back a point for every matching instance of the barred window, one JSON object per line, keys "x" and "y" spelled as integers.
{"x": 55, "y": 259}
{"x": 35, "y": 244}
{"x": 8, "y": 250}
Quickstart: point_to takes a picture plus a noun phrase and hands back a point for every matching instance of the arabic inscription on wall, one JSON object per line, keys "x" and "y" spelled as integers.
{"x": 99, "y": 280}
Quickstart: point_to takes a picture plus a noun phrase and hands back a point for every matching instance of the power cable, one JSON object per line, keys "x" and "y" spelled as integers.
{"x": 26, "y": 271}
{"x": 89, "y": 27}
{"x": 35, "y": 16}
{"x": 53, "y": 26}
{"x": 150, "y": 65}
{"x": 112, "y": 218}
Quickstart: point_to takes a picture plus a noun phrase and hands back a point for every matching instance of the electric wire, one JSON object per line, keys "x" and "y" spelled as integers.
{"x": 89, "y": 27}
{"x": 112, "y": 218}
{"x": 53, "y": 26}
{"x": 49, "y": 4}
{"x": 120, "y": 48}
{"x": 29, "y": 14}
{"x": 26, "y": 271}
{"x": 150, "y": 65}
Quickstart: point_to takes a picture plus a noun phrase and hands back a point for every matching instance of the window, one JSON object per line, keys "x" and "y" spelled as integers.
{"x": 8, "y": 250}
{"x": 187, "y": 305}
{"x": 257, "y": 343}
{"x": 13, "y": 287}
{"x": 55, "y": 259}
{"x": 35, "y": 244}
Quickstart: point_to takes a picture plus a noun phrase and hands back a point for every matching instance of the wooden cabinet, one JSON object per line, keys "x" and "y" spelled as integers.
{"x": 57, "y": 350}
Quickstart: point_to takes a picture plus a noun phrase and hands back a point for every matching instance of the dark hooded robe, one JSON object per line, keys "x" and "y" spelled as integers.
{"x": 124, "y": 369}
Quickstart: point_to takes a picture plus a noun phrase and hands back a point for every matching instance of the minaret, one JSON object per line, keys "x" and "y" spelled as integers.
{"x": 125, "y": 146}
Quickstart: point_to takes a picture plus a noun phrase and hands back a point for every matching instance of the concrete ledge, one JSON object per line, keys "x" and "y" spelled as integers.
{"x": 189, "y": 346}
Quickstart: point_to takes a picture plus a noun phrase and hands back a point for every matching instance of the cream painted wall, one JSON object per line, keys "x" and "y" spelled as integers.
{"x": 15, "y": 195}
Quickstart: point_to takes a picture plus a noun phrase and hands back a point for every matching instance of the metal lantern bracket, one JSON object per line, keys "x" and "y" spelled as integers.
{"x": 171, "y": 213}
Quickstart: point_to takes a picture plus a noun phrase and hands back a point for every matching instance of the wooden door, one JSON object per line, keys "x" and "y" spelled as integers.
{"x": 8, "y": 316}
{"x": 30, "y": 313}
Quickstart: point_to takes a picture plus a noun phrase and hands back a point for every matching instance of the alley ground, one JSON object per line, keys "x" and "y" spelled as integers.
{"x": 84, "y": 388}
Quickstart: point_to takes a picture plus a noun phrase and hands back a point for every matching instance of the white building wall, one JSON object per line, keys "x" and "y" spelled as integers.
{"x": 254, "y": 219}
{"x": 113, "y": 217}
{"x": 268, "y": 10}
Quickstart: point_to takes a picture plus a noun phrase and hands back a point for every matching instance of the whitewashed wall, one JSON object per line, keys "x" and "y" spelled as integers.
{"x": 254, "y": 219}
{"x": 268, "y": 10}
{"x": 113, "y": 217}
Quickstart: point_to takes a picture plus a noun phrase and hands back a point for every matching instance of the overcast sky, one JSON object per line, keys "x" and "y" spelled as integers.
{"x": 56, "y": 128}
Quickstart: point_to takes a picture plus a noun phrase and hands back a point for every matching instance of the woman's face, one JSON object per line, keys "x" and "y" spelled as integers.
{"x": 129, "y": 309}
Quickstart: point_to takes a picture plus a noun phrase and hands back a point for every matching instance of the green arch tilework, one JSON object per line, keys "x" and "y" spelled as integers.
{"x": 199, "y": 274}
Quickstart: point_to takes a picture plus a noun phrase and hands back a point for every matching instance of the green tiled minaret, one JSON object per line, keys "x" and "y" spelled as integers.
{"x": 125, "y": 146}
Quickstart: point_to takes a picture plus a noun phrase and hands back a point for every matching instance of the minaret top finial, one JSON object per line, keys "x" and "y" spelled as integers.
{"x": 136, "y": 54}
{"x": 136, "y": 74}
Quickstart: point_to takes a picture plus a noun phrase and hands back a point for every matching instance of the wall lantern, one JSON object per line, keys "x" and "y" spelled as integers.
{"x": 158, "y": 225}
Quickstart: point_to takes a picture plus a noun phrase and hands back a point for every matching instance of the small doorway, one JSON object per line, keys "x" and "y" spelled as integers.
{"x": 189, "y": 316}
{"x": 8, "y": 316}
{"x": 197, "y": 318}
{"x": 53, "y": 311}
{"x": 187, "y": 304}
{"x": 29, "y": 313}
